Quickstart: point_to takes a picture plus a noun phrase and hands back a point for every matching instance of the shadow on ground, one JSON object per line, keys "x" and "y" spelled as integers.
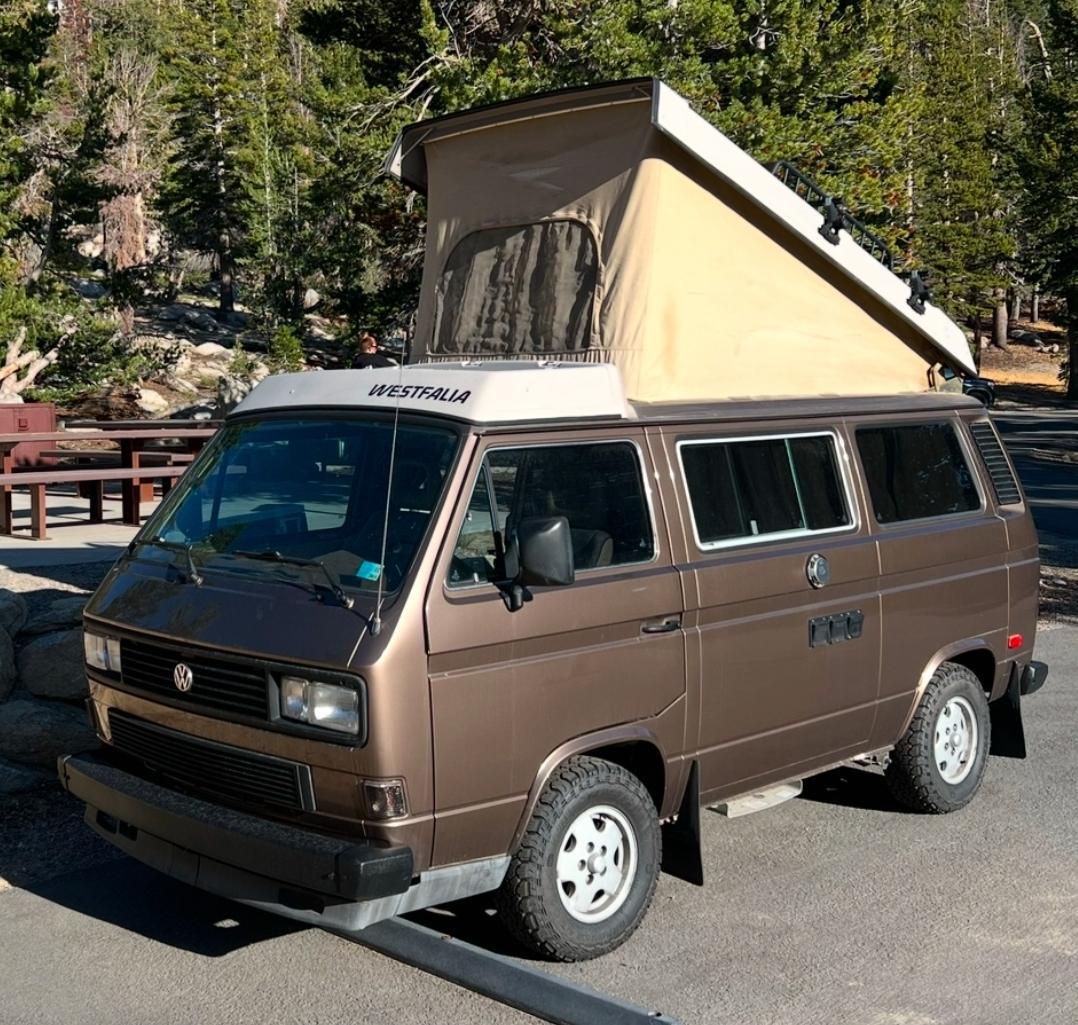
{"x": 850, "y": 787}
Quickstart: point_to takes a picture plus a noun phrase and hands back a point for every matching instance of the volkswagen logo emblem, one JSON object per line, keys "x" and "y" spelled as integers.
{"x": 183, "y": 677}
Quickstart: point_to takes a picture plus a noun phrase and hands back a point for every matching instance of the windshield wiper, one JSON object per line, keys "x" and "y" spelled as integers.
{"x": 270, "y": 555}
{"x": 193, "y": 574}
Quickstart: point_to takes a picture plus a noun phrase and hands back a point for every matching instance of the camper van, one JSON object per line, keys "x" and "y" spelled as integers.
{"x": 502, "y": 620}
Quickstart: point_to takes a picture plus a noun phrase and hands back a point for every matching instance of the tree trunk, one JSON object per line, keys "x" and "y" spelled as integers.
{"x": 226, "y": 266}
{"x": 1072, "y": 339}
{"x": 1016, "y": 306}
{"x": 999, "y": 320}
{"x": 975, "y": 323}
{"x": 1036, "y": 311}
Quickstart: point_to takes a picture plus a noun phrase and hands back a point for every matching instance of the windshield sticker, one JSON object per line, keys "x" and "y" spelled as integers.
{"x": 369, "y": 570}
{"x": 417, "y": 391}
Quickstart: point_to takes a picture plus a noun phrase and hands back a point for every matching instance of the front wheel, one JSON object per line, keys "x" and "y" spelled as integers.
{"x": 585, "y": 872}
{"x": 939, "y": 763}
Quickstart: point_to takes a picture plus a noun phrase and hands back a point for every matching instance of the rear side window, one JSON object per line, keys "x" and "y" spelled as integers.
{"x": 763, "y": 488}
{"x": 597, "y": 488}
{"x": 915, "y": 471}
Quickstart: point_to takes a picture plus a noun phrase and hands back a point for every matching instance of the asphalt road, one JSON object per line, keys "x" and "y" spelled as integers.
{"x": 833, "y": 908}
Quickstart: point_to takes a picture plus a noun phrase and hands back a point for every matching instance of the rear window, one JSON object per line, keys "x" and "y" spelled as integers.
{"x": 915, "y": 471}
{"x": 522, "y": 289}
{"x": 763, "y": 488}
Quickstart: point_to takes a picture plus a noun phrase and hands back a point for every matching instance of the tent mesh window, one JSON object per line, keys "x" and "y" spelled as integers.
{"x": 522, "y": 290}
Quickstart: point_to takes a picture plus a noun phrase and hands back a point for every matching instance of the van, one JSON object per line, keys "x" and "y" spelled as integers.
{"x": 406, "y": 635}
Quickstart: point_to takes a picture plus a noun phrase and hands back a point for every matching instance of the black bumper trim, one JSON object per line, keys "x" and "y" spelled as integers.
{"x": 294, "y": 857}
{"x": 1033, "y": 677}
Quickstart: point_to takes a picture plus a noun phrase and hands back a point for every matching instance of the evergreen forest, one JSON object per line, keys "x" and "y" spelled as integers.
{"x": 158, "y": 143}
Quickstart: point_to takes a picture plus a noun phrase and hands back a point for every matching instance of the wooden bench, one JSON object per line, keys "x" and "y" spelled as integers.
{"x": 94, "y": 479}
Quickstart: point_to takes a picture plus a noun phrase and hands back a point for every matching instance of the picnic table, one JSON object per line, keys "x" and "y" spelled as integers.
{"x": 131, "y": 472}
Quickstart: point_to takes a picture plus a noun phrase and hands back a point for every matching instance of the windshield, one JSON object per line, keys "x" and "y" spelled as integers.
{"x": 311, "y": 489}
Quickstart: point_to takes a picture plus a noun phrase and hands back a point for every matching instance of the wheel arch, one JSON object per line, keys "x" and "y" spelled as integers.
{"x": 975, "y": 653}
{"x": 633, "y": 747}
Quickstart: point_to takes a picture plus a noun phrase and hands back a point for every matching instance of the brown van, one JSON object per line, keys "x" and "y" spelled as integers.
{"x": 410, "y": 634}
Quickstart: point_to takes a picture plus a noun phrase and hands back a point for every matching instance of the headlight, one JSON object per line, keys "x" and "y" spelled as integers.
{"x": 101, "y": 652}
{"x": 320, "y": 704}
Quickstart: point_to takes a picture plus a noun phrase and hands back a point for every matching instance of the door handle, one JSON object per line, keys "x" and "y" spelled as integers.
{"x": 662, "y": 626}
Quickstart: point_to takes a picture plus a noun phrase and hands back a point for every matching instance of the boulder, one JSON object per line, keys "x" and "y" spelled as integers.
{"x": 88, "y": 289}
{"x": 199, "y": 411}
{"x": 16, "y": 779}
{"x": 37, "y": 732}
{"x": 311, "y": 299}
{"x": 150, "y": 401}
{"x": 211, "y": 350}
{"x": 200, "y": 320}
{"x": 61, "y": 614}
{"x": 231, "y": 391}
{"x": 10, "y": 398}
{"x": 52, "y": 666}
{"x": 173, "y": 312}
{"x": 13, "y": 611}
{"x": 8, "y": 670}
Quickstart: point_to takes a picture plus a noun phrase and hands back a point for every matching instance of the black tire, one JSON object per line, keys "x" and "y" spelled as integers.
{"x": 529, "y": 901}
{"x": 914, "y": 776}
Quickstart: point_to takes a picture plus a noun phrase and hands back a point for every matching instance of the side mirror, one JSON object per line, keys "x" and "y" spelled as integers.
{"x": 545, "y": 549}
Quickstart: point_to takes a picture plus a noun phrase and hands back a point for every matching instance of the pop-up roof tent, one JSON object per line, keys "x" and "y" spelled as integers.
{"x": 613, "y": 224}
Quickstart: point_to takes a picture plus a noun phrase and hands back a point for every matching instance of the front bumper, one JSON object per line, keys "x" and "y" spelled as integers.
{"x": 228, "y": 852}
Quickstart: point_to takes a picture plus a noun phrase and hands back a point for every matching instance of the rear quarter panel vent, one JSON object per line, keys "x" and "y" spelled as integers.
{"x": 995, "y": 462}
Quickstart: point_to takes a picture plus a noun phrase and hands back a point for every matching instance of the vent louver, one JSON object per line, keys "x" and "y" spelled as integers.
{"x": 995, "y": 462}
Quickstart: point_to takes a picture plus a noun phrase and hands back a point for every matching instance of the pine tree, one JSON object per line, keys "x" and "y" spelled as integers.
{"x": 1050, "y": 168}
{"x": 963, "y": 215}
{"x": 209, "y": 195}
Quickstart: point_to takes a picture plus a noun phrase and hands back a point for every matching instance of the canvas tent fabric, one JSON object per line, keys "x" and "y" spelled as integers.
{"x": 612, "y": 224}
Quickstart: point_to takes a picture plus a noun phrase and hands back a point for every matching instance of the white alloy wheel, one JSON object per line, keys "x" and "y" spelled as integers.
{"x": 955, "y": 744}
{"x": 597, "y": 861}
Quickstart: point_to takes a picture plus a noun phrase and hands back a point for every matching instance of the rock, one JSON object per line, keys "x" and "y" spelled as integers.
{"x": 173, "y": 312}
{"x": 150, "y": 401}
{"x": 234, "y": 318}
{"x": 8, "y": 671}
{"x": 199, "y": 411}
{"x": 311, "y": 299}
{"x": 52, "y": 666}
{"x": 231, "y": 391}
{"x": 259, "y": 372}
{"x": 60, "y": 615}
{"x": 178, "y": 384}
{"x": 88, "y": 289}
{"x": 17, "y": 779}
{"x": 8, "y": 398}
{"x": 211, "y": 374}
{"x": 37, "y": 732}
{"x": 93, "y": 247}
{"x": 212, "y": 350}
{"x": 13, "y": 612}
{"x": 111, "y": 403}
{"x": 200, "y": 320}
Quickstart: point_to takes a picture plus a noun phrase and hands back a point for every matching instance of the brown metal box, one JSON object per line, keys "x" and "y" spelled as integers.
{"x": 29, "y": 418}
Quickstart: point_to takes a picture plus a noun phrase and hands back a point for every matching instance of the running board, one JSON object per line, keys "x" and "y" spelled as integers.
{"x": 547, "y": 997}
{"x": 760, "y": 800}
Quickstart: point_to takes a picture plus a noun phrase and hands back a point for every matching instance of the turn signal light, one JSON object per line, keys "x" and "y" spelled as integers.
{"x": 1014, "y": 641}
{"x": 385, "y": 799}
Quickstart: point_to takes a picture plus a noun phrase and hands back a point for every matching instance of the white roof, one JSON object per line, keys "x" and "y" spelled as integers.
{"x": 496, "y": 391}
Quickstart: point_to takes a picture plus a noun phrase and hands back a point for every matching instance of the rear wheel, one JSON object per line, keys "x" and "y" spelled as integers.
{"x": 585, "y": 872}
{"x": 939, "y": 763}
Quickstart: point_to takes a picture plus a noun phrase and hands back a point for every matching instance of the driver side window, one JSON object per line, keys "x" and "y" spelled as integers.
{"x": 598, "y": 488}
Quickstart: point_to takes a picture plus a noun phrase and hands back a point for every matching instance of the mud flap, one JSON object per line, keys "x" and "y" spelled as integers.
{"x": 1008, "y": 736}
{"x": 681, "y": 838}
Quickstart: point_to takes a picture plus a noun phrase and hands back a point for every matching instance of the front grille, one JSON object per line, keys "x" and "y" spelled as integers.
{"x": 218, "y": 684}
{"x": 215, "y": 769}
{"x": 995, "y": 462}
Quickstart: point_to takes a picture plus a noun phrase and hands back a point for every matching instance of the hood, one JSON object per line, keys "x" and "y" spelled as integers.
{"x": 248, "y": 610}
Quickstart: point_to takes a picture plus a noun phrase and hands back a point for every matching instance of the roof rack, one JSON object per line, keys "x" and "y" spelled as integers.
{"x": 835, "y": 214}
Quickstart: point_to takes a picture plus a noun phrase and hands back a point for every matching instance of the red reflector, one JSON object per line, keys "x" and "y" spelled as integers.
{"x": 1014, "y": 641}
